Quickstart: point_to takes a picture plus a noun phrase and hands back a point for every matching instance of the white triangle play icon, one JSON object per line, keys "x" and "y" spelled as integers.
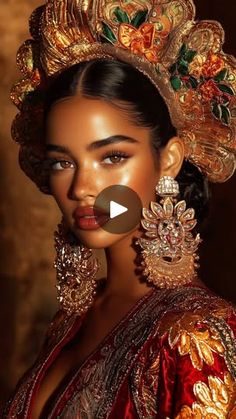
{"x": 116, "y": 209}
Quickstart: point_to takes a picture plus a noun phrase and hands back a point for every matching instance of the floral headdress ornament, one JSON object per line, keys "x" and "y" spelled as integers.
{"x": 183, "y": 58}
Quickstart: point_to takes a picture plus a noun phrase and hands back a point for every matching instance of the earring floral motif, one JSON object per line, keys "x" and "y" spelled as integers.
{"x": 169, "y": 255}
{"x": 76, "y": 273}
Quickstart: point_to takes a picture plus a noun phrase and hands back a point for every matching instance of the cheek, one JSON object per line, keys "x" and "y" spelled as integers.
{"x": 59, "y": 185}
{"x": 142, "y": 176}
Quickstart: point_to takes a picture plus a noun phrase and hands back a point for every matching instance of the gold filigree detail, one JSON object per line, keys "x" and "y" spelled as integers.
{"x": 217, "y": 400}
{"x": 170, "y": 255}
{"x": 76, "y": 273}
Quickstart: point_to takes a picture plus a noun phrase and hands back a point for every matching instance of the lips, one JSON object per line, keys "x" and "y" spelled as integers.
{"x": 89, "y": 211}
{"x": 90, "y": 218}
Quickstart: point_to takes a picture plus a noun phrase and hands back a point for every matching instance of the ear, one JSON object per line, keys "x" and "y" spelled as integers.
{"x": 171, "y": 157}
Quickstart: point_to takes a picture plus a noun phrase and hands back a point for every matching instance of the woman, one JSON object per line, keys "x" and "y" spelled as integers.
{"x": 150, "y": 340}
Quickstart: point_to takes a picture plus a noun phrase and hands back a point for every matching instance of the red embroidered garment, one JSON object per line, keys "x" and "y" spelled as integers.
{"x": 172, "y": 356}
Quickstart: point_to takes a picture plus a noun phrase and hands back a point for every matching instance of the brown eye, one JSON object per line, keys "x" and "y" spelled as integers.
{"x": 115, "y": 157}
{"x": 60, "y": 164}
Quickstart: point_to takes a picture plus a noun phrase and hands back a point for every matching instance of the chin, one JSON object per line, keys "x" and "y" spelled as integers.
{"x": 101, "y": 239}
{"x": 96, "y": 239}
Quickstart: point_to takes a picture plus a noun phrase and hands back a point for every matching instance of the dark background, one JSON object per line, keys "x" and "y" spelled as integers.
{"x": 218, "y": 251}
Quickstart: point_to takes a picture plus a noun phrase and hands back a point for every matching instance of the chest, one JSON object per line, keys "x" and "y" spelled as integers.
{"x": 67, "y": 361}
{"x": 71, "y": 357}
{"x": 115, "y": 347}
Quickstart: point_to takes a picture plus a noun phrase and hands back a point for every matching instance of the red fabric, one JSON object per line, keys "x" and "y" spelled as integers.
{"x": 167, "y": 379}
{"x": 124, "y": 406}
{"x": 159, "y": 378}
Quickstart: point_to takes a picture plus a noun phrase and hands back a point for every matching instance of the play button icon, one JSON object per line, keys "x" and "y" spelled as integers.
{"x": 116, "y": 209}
{"x": 122, "y": 206}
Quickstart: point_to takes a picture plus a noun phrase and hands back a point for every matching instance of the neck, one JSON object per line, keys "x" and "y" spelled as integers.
{"x": 123, "y": 269}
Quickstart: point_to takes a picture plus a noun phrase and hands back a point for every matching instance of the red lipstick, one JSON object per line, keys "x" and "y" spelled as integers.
{"x": 90, "y": 218}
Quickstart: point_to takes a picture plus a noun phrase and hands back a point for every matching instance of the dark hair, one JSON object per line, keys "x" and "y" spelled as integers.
{"x": 124, "y": 86}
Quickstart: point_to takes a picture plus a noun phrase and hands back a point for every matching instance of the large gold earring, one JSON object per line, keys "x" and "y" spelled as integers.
{"x": 169, "y": 255}
{"x": 76, "y": 272}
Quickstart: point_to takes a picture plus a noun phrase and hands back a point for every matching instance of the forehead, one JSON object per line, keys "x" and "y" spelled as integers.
{"x": 88, "y": 120}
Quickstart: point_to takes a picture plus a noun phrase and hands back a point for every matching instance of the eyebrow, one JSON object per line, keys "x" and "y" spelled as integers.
{"x": 95, "y": 144}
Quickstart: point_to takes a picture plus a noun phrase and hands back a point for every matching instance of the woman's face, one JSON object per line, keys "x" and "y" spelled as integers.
{"x": 82, "y": 166}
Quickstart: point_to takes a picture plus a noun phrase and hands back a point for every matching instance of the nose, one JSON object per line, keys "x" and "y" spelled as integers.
{"x": 83, "y": 185}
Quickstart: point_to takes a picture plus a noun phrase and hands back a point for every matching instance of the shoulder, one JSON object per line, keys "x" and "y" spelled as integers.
{"x": 189, "y": 362}
{"x": 198, "y": 339}
{"x": 194, "y": 305}
{"x": 201, "y": 324}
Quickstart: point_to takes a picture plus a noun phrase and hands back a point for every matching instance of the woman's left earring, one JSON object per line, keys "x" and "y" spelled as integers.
{"x": 169, "y": 249}
{"x": 76, "y": 272}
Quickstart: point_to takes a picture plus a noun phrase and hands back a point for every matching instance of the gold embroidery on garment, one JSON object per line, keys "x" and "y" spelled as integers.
{"x": 143, "y": 375}
{"x": 217, "y": 400}
{"x": 195, "y": 333}
{"x": 98, "y": 380}
{"x": 195, "y": 338}
{"x": 147, "y": 324}
{"x": 228, "y": 337}
{"x": 145, "y": 394}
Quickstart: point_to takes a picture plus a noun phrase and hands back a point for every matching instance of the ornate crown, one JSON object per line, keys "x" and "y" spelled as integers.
{"x": 182, "y": 57}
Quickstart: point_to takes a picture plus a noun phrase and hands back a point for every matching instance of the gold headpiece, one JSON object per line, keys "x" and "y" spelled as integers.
{"x": 182, "y": 57}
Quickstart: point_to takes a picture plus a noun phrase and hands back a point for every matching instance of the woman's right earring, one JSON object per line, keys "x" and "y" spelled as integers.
{"x": 76, "y": 273}
{"x": 169, "y": 251}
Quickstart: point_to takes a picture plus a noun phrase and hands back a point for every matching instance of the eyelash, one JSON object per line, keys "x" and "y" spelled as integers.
{"x": 112, "y": 153}
{"x": 52, "y": 161}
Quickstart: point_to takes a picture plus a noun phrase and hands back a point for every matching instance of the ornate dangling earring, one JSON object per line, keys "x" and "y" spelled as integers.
{"x": 169, "y": 257}
{"x": 76, "y": 272}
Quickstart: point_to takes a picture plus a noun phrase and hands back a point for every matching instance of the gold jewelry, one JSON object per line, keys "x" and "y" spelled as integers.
{"x": 182, "y": 57}
{"x": 170, "y": 252}
{"x": 76, "y": 273}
